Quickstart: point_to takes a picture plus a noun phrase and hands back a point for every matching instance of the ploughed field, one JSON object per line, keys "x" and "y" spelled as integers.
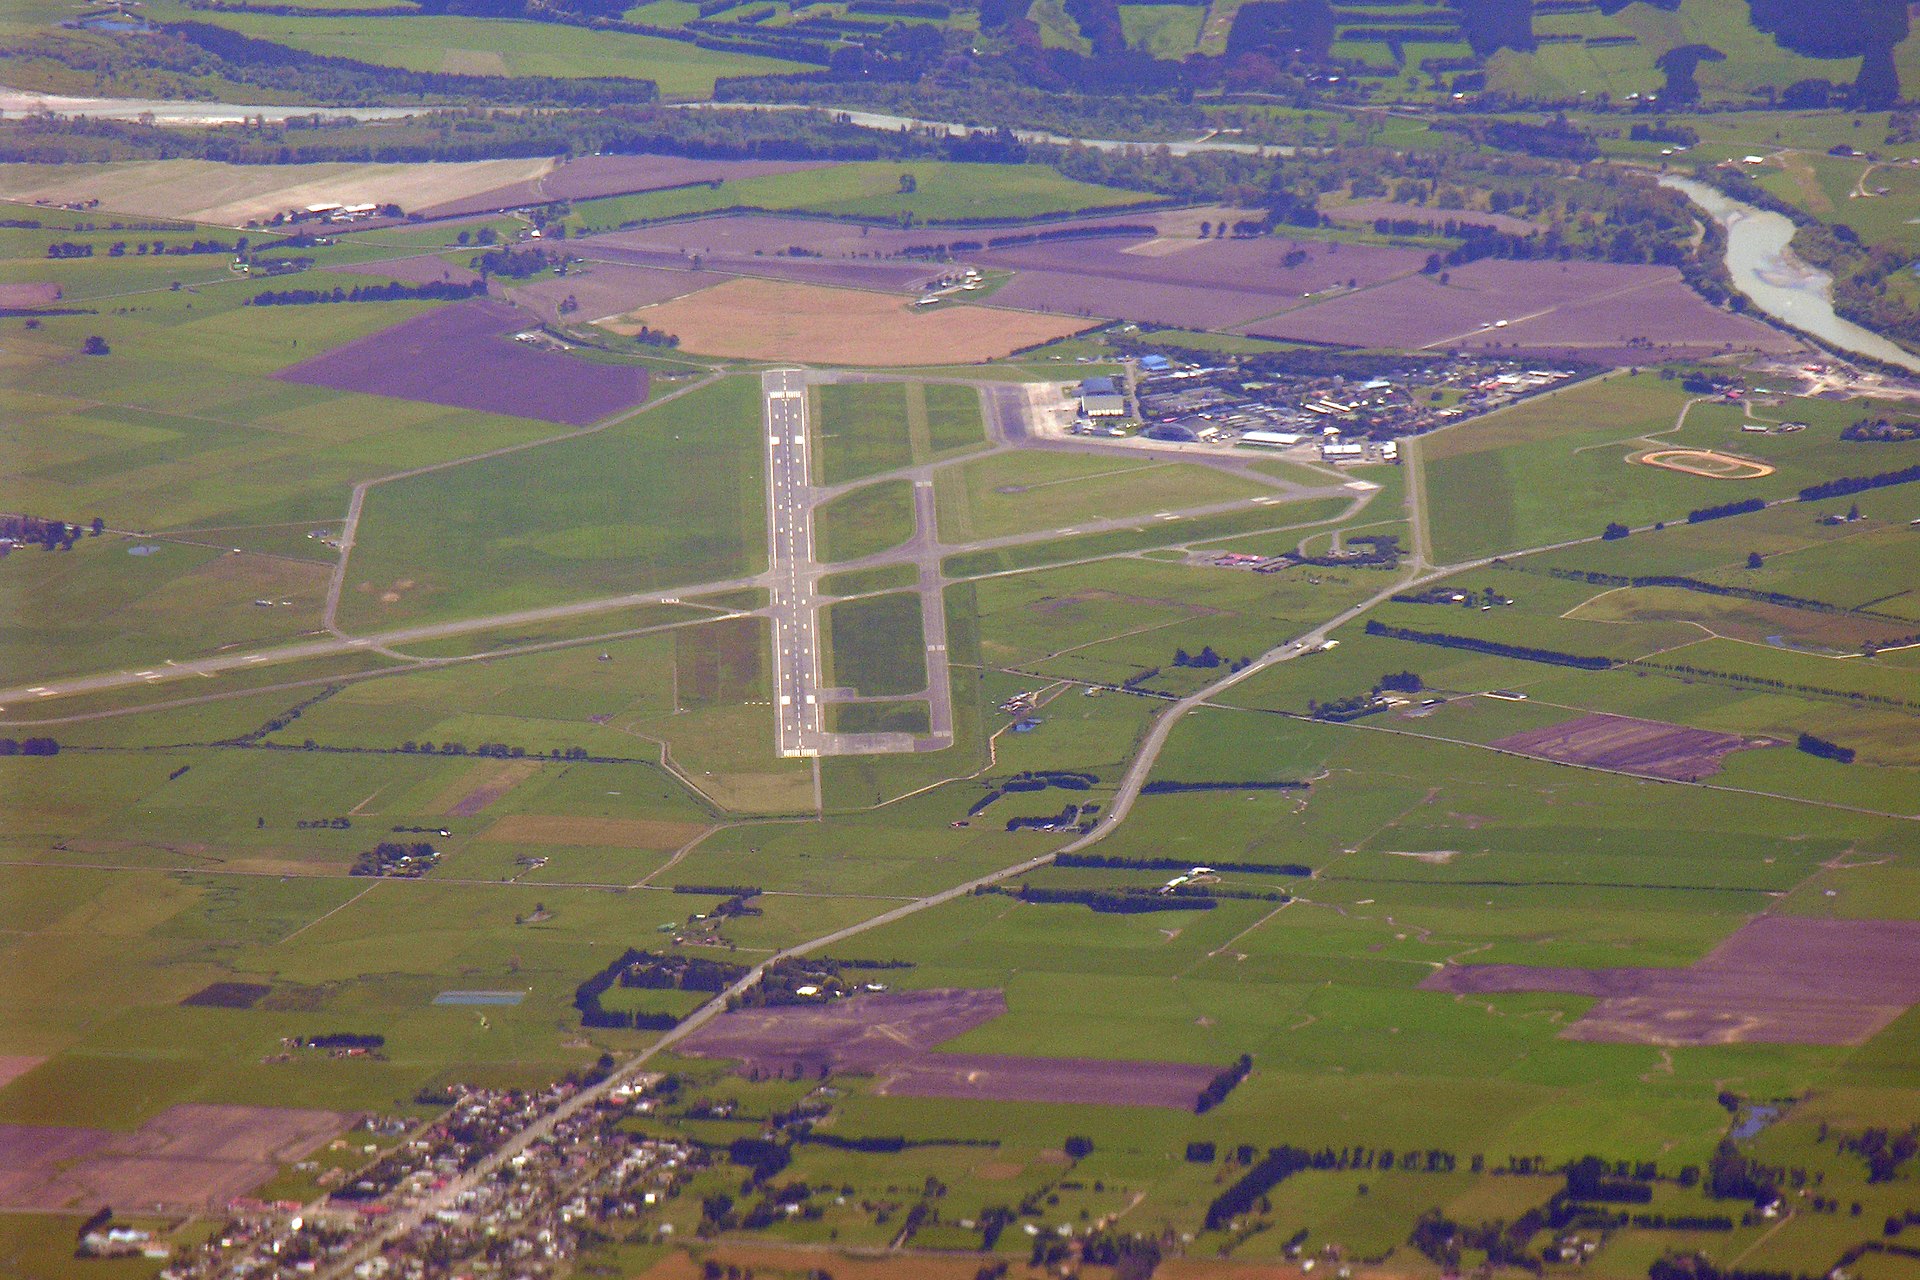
{"x": 892, "y": 1035}
{"x": 1645, "y": 747}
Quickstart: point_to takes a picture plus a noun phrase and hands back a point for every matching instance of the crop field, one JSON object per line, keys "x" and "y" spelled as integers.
{"x": 460, "y": 356}
{"x": 770, "y": 320}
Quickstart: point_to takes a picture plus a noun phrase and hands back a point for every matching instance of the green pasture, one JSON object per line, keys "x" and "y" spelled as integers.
{"x": 1021, "y": 492}
{"x": 668, "y": 497}
{"x": 876, "y": 645}
{"x": 864, "y": 522}
{"x": 943, "y": 191}
{"x": 486, "y": 46}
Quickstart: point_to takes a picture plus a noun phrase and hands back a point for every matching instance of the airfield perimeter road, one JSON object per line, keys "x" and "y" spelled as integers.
{"x": 790, "y": 568}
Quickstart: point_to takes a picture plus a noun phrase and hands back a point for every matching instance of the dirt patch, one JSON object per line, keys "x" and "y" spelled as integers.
{"x": 593, "y": 833}
{"x": 891, "y": 1036}
{"x": 755, "y": 319}
{"x": 495, "y": 781}
{"x": 998, "y": 1170}
{"x": 229, "y": 995}
{"x": 1646, "y": 747}
{"x": 191, "y": 1156}
{"x": 460, "y": 356}
{"x": 1777, "y": 980}
{"x": 1435, "y": 857}
{"x": 1706, "y": 462}
{"x": 13, "y": 1066}
{"x": 28, "y": 294}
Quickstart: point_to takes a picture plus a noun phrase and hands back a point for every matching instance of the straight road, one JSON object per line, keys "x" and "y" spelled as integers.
{"x": 796, "y": 643}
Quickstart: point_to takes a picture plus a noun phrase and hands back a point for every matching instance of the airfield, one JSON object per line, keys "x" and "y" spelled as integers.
{"x": 827, "y": 643}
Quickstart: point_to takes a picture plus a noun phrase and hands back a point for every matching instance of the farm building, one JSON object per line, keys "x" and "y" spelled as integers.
{"x": 1103, "y": 406}
{"x": 1098, "y": 387}
{"x": 1155, "y": 364}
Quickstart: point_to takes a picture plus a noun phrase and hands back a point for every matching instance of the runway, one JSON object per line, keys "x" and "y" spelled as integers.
{"x": 796, "y": 647}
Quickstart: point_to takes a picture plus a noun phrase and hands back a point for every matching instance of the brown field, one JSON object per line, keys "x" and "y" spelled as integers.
{"x": 1706, "y": 462}
{"x": 191, "y": 1156}
{"x": 593, "y": 833}
{"x": 1368, "y": 211}
{"x": 229, "y": 995}
{"x": 495, "y": 781}
{"x": 230, "y": 194}
{"x": 892, "y": 1035}
{"x": 793, "y": 1262}
{"x": 1777, "y": 980}
{"x": 1646, "y": 747}
{"x": 607, "y": 289}
{"x": 753, "y": 319}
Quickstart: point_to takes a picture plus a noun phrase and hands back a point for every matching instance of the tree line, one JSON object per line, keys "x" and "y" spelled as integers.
{"x": 393, "y": 291}
{"x": 1526, "y": 653}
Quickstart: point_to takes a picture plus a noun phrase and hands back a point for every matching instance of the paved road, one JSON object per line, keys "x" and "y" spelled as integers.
{"x": 796, "y": 642}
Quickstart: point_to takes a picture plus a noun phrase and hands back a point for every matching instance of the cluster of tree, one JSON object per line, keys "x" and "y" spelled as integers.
{"x": 762, "y": 1156}
{"x": 396, "y": 860}
{"x": 1557, "y": 139}
{"x": 1206, "y": 659}
{"x": 677, "y": 972}
{"x": 343, "y": 1040}
{"x": 587, "y": 996}
{"x": 1275, "y": 1167}
{"x": 514, "y": 264}
{"x": 1844, "y": 485}
{"x": 1221, "y": 1085}
{"x": 1884, "y": 1150}
{"x": 650, "y": 337}
{"x": 1591, "y": 1178}
{"x": 1882, "y": 430}
{"x": 51, "y": 534}
{"x": 1825, "y": 750}
{"x": 720, "y": 890}
{"x": 69, "y": 249}
{"x": 1028, "y": 781}
{"x": 1525, "y": 653}
{"x": 1864, "y": 29}
{"x": 1500, "y": 1244}
{"x": 1121, "y": 862}
{"x": 323, "y": 824}
{"x": 1170, "y": 786}
{"x": 1114, "y": 902}
{"x": 1745, "y": 680}
{"x": 29, "y": 747}
{"x": 1700, "y": 515}
{"x": 392, "y": 291}
{"x": 782, "y": 980}
{"x": 1074, "y": 815}
{"x": 1697, "y": 1266}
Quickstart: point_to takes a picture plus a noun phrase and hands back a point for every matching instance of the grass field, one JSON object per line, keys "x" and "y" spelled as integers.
{"x": 1028, "y": 492}
{"x": 669, "y": 497}
{"x": 864, "y": 522}
{"x": 943, "y": 191}
{"x": 876, "y": 646}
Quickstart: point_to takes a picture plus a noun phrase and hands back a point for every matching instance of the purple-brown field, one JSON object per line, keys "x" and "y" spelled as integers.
{"x": 1778, "y": 980}
{"x": 1195, "y": 284}
{"x": 1556, "y": 305}
{"x": 610, "y": 289}
{"x": 1646, "y": 747}
{"x": 459, "y": 356}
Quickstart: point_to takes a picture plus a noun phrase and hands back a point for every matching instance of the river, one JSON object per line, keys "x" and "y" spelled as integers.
{"x": 1767, "y": 271}
{"x": 175, "y": 113}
